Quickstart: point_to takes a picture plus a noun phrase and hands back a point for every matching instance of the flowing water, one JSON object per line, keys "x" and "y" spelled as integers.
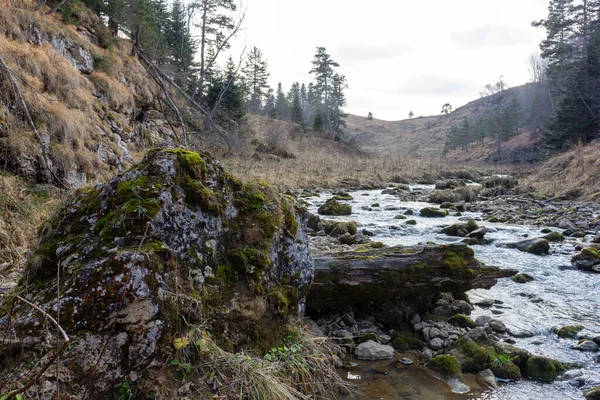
{"x": 560, "y": 295}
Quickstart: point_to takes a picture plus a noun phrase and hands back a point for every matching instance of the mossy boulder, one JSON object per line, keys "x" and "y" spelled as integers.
{"x": 432, "y": 212}
{"x": 445, "y": 365}
{"x": 543, "y": 369}
{"x": 473, "y": 357}
{"x": 554, "y": 237}
{"x": 522, "y": 278}
{"x": 403, "y": 343}
{"x": 400, "y": 216}
{"x": 569, "y": 331}
{"x": 508, "y": 370}
{"x": 411, "y": 222}
{"x": 342, "y": 196}
{"x": 587, "y": 260}
{"x": 536, "y": 246}
{"x": 334, "y": 207}
{"x": 592, "y": 394}
{"x": 462, "y": 321}
{"x": 461, "y": 229}
{"x": 174, "y": 242}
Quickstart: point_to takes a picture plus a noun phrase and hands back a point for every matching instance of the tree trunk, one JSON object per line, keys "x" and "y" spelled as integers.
{"x": 392, "y": 273}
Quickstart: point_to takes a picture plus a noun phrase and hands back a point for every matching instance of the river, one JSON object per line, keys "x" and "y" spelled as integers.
{"x": 560, "y": 295}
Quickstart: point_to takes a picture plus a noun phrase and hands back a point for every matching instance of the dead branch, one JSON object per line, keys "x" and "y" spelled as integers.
{"x": 158, "y": 78}
{"x": 23, "y": 105}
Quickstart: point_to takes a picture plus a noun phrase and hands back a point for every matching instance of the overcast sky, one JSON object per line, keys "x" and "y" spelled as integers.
{"x": 398, "y": 55}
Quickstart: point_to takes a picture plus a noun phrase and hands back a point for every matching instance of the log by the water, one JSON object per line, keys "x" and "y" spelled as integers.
{"x": 390, "y": 273}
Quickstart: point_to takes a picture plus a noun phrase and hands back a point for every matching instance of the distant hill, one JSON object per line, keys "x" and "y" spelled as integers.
{"x": 425, "y": 137}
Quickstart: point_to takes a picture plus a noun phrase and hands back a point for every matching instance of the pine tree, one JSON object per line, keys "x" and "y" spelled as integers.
{"x": 255, "y": 78}
{"x": 323, "y": 69}
{"x": 338, "y": 100}
{"x": 296, "y": 111}
{"x": 214, "y": 19}
{"x": 227, "y": 95}
{"x": 183, "y": 46}
{"x": 269, "y": 109}
{"x": 282, "y": 107}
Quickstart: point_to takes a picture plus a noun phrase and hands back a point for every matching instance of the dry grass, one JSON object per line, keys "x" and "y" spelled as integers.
{"x": 301, "y": 369}
{"x": 318, "y": 161}
{"x": 576, "y": 171}
{"x": 23, "y": 208}
{"x": 76, "y": 111}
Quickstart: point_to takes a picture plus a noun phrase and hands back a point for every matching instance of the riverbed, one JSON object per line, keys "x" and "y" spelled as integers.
{"x": 559, "y": 295}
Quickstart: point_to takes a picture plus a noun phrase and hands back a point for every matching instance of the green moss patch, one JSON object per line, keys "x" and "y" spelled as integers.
{"x": 569, "y": 331}
{"x": 445, "y": 365}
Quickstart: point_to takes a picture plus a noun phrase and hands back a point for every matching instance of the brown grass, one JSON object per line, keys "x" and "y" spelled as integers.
{"x": 575, "y": 171}
{"x": 23, "y": 208}
{"x": 318, "y": 161}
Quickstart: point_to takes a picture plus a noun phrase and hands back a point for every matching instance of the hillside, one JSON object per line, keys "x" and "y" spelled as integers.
{"x": 425, "y": 137}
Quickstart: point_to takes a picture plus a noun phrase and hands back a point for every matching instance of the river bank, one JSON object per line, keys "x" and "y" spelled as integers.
{"x": 532, "y": 313}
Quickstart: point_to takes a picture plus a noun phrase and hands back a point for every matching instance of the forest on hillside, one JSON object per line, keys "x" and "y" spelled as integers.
{"x": 564, "y": 99}
{"x": 188, "y": 41}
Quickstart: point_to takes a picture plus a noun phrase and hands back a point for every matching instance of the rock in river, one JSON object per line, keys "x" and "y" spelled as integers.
{"x": 534, "y": 246}
{"x": 371, "y": 350}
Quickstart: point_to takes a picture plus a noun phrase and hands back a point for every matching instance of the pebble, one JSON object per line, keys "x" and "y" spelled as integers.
{"x": 406, "y": 361}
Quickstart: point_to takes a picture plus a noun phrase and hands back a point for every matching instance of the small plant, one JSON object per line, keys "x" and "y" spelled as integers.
{"x": 184, "y": 367}
{"x": 127, "y": 391}
{"x": 500, "y": 360}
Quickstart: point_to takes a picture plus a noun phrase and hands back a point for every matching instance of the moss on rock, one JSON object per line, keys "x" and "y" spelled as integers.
{"x": 445, "y": 365}
{"x": 462, "y": 321}
{"x": 173, "y": 242}
{"x": 569, "y": 331}
{"x": 543, "y": 369}
{"x": 473, "y": 357}
{"x": 333, "y": 207}
{"x": 431, "y": 212}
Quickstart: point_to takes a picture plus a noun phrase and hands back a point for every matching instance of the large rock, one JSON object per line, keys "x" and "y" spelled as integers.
{"x": 587, "y": 260}
{"x": 334, "y": 207}
{"x": 432, "y": 212}
{"x": 172, "y": 244}
{"x": 371, "y": 350}
{"x": 592, "y": 394}
{"x": 534, "y": 246}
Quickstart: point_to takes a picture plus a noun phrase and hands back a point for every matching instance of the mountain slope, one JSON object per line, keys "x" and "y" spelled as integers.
{"x": 425, "y": 137}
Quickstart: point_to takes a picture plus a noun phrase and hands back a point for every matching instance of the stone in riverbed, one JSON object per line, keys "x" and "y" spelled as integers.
{"x": 522, "y": 278}
{"x": 543, "y": 369}
{"x": 592, "y": 394}
{"x": 371, "y": 350}
{"x": 487, "y": 378}
{"x": 432, "y": 212}
{"x": 334, "y": 207}
{"x": 477, "y": 334}
{"x": 569, "y": 331}
{"x": 534, "y": 246}
{"x": 587, "y": 260}
{"x": 586, "y": 345}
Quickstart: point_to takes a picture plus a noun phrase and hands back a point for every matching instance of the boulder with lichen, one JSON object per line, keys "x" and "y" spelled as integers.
{"x": 135, "y": 264}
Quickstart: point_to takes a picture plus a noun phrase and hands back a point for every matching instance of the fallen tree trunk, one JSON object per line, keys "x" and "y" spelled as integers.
{"x": 348, "y": 278}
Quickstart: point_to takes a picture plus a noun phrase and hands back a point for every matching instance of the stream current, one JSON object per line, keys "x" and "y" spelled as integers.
{"x": 560, "y": 295}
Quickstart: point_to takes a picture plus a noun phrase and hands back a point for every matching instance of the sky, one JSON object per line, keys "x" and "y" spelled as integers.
{"x": 397, "y": 55}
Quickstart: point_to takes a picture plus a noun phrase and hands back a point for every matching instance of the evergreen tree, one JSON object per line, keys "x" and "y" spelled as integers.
{"x": 226, "y": 94}
{"x": 296, "y": 111}
{"x": 255, "y": 78}
{"x": 215, "y": 25}
{"x": 270, "y": 110}
{"x": 282, "y": 107}
{"x": 338, "y": 100}
{"x": 182, "y": 45}
{"x": 323, "y": 69}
